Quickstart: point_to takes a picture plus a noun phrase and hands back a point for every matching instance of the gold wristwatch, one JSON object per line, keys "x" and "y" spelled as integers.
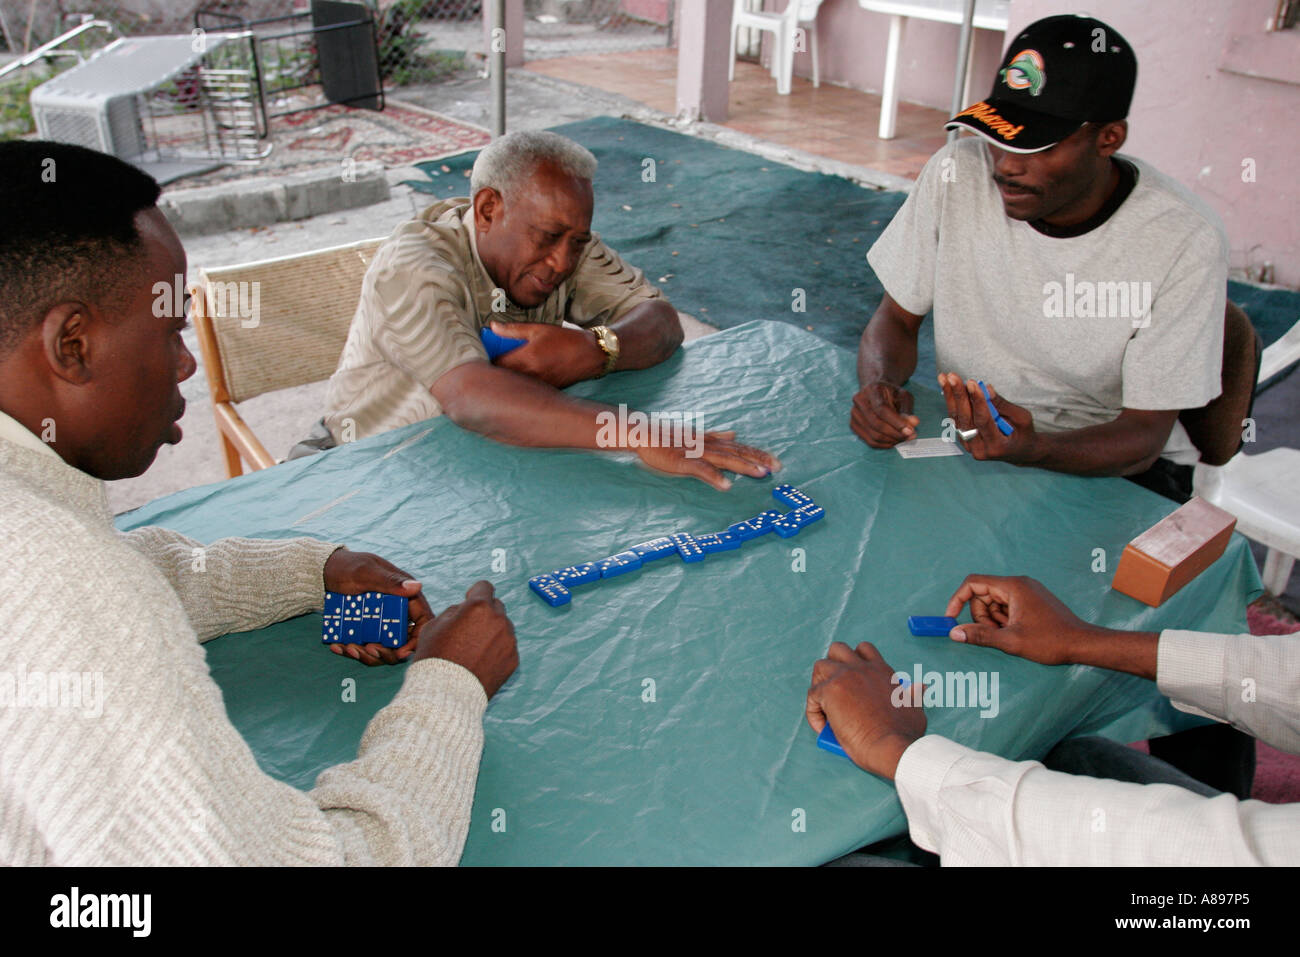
{"x": 608, "y": 342}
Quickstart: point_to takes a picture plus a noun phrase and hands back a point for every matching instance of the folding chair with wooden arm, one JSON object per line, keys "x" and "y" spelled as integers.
{"x": 273, "y": 324}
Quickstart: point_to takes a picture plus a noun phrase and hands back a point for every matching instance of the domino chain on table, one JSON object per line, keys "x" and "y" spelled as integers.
{"x": 554, "y": 587}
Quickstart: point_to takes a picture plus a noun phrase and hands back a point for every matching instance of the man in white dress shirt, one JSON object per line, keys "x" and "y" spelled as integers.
{"x": 970, "y": 807}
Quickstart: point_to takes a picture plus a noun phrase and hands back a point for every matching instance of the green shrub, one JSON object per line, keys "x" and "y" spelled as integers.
{"x": 401, "y": 60}
{"x": 16, "y": 99}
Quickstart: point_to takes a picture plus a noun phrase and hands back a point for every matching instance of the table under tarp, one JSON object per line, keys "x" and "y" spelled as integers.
{"x": 658, "y": 718}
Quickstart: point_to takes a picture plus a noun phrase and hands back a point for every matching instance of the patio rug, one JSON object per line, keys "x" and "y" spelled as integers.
{"x": 400, "y": 135}
{"x": 731, "y": 237}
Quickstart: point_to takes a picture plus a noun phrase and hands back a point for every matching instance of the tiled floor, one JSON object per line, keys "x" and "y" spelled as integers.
{"x": 831, "y": 121}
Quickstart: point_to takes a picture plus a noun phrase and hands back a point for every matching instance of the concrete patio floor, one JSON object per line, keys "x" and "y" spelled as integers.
{"x": 835, "y": 122}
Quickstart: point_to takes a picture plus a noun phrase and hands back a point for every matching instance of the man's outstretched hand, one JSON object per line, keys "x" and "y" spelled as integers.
{"x": 1021, "y": 617}
{"x": 875, "y": 720}
{"x": 718, "y": 451}
{"x": 1018, "y": 616}
{"x": 351, "y": 573}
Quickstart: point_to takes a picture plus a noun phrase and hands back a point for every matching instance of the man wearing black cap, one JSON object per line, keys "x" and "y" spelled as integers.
{"x": 1085, "y": 289}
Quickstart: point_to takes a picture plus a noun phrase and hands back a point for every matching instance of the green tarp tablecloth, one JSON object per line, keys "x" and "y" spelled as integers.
{"x": 659, "y": 717}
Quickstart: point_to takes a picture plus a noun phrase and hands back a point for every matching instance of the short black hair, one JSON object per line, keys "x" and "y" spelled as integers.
{"x": 66, "y": 224}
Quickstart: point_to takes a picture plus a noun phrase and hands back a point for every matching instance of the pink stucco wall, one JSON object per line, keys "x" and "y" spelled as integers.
{"x": 1199, "y": 123}
{"x": 656, "y": 11}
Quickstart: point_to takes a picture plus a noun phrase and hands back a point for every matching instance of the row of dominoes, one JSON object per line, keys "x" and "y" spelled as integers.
{"x": 369, "y": 618}
{"x": 553, "y": 588}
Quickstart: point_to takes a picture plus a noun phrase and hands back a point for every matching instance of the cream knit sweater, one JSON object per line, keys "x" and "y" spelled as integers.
{"x": 159, "y": 775}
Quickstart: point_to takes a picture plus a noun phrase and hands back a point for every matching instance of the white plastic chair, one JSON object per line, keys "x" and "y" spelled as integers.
{"x": 1263, "y": 490}
{"x": 784, "y": 28}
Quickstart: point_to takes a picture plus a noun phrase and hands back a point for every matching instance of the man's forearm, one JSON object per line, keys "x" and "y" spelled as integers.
{"x": 647, "y": 334}
{"x": 517, "y": 409}
{"x": 236, "y": 584}
{"x": 1133, "y": 652}
{"x": 887, "y": 351}
{"x": 1113, "y": 448}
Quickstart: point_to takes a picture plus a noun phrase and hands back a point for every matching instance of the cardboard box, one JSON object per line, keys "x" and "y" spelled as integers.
{"x": 1172, "y": 552}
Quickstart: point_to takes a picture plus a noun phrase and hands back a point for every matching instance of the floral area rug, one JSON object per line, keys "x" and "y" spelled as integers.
{"x": 400, "y": 135}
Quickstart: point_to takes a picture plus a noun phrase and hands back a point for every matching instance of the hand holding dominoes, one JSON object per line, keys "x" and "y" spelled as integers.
{"x": 854, "y": 691}
{"x": 372, "y": 592}
{"x": 1001, "y": 430}
{"x": 498, "y": 345}
{"x": 555, "y": 354}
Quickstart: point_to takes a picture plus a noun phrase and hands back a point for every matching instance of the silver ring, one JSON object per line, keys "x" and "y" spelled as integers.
{"x": 968, "y": 434}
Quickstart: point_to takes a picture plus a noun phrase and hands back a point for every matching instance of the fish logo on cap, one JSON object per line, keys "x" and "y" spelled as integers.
{"x": 1025, "y": 72}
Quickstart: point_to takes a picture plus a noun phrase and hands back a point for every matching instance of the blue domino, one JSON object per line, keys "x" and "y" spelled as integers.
{"x": 619, "y": 564}
{"x": 580, "y": 574}
{"x": 760, "y": 524}
{"x": 811, "y": 513}
{"x": 1003, "y": 425}
{"x": 927, "y": 626}
{"x": 394, "y": 617}
{"x": 687, "y": 547}
{"x": 497, "y": 345}
{"x": 655, "y": 548}
{"x": 789, "y": 524}
{"x": 332, "y": 618}
{"x": 368, "y": 618}
{"x": 744, "y": 531}
{"x": 828, "y": 742}
{"x": 717, "y": 542}
{"x": 350, "y": 630}
{"x": 550, "y": 590}
{"x": 790, "y": 496}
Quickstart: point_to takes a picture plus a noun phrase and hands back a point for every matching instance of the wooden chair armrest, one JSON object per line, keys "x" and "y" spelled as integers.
{"x": 237, "y": 432}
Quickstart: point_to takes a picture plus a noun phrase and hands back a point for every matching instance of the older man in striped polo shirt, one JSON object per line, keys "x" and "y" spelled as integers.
{"x": 519, "y": 255}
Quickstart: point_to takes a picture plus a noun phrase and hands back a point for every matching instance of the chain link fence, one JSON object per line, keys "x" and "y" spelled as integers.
{"x": 445, "y": 29}
{"x": 416, "y": 43}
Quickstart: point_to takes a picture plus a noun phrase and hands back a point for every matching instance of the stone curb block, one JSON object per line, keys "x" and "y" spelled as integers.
{"x": 214, "y": 209}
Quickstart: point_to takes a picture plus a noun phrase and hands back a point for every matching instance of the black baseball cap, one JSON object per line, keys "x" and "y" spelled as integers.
{"x": 1058, "y": 74}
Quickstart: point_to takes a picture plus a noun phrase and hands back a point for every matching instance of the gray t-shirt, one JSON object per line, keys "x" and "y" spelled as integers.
{"x": 1126, "y": 315}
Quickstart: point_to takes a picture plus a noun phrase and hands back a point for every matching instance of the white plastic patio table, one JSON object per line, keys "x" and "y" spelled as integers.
{"x": 989, "y": 15}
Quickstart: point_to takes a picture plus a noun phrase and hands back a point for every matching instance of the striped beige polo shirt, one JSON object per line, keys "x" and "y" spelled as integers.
{"x": 424, "y": 300}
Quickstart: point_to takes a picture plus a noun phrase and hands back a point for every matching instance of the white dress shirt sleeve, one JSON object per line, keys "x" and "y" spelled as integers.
{"x": 971, "y": 807}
